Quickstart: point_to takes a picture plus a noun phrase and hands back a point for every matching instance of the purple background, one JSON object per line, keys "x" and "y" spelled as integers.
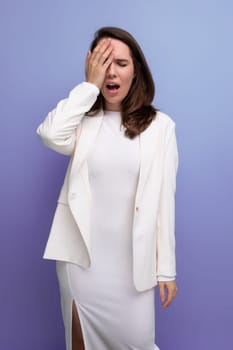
{"x": 188, "y": 45}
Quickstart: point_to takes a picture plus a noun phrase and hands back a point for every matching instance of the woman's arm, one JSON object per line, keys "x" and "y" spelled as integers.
{"x": 58, "y": 130}
{"x": 166, "y": 261}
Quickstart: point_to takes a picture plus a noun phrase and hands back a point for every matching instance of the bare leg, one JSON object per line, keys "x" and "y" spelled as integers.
{"x": 77, "y": 337}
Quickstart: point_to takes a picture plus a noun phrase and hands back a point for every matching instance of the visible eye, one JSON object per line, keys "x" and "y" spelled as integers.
{"x": 122, "y": 64}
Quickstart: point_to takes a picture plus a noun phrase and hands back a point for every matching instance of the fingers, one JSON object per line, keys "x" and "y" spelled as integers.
{"x": 169, "y": 298}
{"x": 108, "y": 61}
{"x": 168, "y": 291}
{"x": 102, "y": 51}
{"x": 162, "y": 292}
{"x": 98, "y": 61}
{"x": 87, "y": 61}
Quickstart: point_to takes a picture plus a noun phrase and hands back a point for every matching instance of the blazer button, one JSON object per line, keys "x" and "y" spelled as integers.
{"x": 137, "y": 208}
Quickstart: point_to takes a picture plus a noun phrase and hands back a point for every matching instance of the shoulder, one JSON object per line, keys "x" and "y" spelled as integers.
{"x": 162, "y": 123}
{"x": 162, "y": 126}
{"x": 164, "y": 120}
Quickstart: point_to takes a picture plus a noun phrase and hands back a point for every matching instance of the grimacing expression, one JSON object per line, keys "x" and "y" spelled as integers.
{"x": 118, "y": 77}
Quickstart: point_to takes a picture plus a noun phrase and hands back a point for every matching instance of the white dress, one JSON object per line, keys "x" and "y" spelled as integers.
{"x": 113, "y": 314}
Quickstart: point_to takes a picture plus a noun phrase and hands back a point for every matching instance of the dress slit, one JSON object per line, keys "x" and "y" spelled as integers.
{"x": 77, "y": 335}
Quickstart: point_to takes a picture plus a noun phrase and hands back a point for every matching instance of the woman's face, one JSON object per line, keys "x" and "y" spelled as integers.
{"x": 118, "y": 77}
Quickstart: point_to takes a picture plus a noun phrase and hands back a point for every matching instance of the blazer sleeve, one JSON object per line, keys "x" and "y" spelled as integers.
{"x": 58, "y": 130}
{"x": 166, "y": 260}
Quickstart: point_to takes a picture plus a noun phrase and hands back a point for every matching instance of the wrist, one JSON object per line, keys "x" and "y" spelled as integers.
{"x": 94, "y": 82}
{"x": 93, "y": 85}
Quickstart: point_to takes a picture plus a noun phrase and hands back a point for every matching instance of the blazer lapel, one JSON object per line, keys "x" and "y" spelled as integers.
{"x": 89, "y": 132}
{"x": 90, "y": 127}
{"x": 79, "y": 188}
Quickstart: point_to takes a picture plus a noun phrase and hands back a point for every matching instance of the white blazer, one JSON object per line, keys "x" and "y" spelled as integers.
{"x": 67, "y": 130}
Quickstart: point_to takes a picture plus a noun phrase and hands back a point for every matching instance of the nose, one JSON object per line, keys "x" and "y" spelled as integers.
{"x": 111, "y": 73}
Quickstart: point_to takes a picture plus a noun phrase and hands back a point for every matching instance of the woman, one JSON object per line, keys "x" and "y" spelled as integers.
{"x": 113, "y": 230}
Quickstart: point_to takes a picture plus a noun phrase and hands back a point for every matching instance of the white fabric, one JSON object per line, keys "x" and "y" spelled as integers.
{"x": 113, "y": 314}
{"x": 68, "y": 130}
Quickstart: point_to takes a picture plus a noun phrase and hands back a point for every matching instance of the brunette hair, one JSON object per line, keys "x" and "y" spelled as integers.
{"x": 136, "y": 109}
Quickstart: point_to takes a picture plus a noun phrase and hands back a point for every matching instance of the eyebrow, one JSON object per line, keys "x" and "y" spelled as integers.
{"x": 121, "y": 60}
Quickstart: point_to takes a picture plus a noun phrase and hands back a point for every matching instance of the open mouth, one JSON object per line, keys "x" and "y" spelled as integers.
{"x": 112, "y": 87}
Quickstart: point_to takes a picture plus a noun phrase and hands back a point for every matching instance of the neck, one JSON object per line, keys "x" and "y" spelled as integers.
{"x": 112, "y": 107}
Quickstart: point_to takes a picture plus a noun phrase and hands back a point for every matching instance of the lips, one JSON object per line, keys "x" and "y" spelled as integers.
{"x": 112, "y": 86}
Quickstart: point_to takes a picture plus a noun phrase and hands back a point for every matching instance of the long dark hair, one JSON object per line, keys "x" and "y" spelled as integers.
{"x": 137, "y": 111}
